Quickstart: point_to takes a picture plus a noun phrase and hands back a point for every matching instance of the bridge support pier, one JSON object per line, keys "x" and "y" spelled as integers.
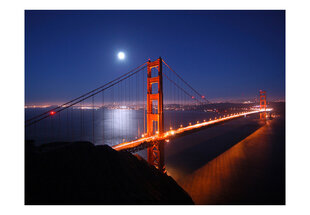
{"x": 155, "y": 155}
{"x": 155, "y": 116}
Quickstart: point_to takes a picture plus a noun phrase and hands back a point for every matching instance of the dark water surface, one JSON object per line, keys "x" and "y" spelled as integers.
{"x": 239, "y": 162}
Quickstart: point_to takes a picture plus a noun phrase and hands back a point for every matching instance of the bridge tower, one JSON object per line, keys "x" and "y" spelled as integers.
{"x": 155, "y": 114}
{"x": 262, "y": 103}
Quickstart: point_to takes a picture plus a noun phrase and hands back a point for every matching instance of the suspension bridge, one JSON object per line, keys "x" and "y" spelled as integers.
{"x": 144, "y": 108}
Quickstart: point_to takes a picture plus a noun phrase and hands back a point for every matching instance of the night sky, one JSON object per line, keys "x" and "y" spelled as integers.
{"x": 223, "y": 54}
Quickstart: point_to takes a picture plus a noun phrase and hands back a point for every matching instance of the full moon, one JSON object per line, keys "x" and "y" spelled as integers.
{"x": 121, "y": 55}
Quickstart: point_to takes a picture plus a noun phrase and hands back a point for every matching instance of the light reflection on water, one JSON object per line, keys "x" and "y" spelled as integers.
{"x": 111, "y": 126}
{"x": 243, "y": 174}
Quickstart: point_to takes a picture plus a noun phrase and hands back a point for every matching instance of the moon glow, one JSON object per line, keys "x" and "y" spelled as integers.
{"x": 121, "y": 55}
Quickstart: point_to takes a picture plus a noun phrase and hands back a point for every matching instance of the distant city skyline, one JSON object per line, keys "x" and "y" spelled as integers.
{"x": 225, "y": 55}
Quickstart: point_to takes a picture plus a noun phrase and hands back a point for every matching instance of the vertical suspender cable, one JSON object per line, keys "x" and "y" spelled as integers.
{"x": 67, "y": 121}
{"x": 52, "y": 128}
{"x": 143, "y": 102}
{"x": 136, "y": 102}
{"x": 93, "y": 116}
{"x": 59, "y": 127}
{"x": 102, "y": 107}
{"x": 81, "y": 122}
{"x": 71, "y": 119}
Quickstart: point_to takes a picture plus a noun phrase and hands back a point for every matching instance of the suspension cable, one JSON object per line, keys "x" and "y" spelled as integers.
{"x": 201, "y": 96}
{"x": 193, "y": 97}
{"x": 67, "y": 103}
{"x": 82, "y": 99}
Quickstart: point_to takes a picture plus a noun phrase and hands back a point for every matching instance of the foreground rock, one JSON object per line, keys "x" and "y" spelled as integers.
{"x": 81, "y": 173}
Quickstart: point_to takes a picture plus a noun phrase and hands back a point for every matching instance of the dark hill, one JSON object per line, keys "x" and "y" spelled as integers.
{"x": 81, "y": 173}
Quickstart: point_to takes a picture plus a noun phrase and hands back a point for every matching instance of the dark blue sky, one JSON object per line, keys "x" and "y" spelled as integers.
{"x": 224, "y": 54}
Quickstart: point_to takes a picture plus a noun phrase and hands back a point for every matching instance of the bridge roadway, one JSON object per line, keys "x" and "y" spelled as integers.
{"x": 167, "y": 136}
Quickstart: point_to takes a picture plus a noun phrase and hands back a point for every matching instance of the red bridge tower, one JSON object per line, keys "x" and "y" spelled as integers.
{"x": 155, "y": 114}
{"x": 262, "y": 103}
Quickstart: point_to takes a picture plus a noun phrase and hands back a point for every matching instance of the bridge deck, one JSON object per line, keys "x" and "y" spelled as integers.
{"x": 178, "y": 132}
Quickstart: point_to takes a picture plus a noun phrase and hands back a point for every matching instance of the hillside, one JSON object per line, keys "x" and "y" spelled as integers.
{"x": 81, "y": 173}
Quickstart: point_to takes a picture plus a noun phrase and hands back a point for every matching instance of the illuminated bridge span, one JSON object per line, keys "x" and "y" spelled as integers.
{"x": 144, "y": 108}
{"x": 143, "y": 142}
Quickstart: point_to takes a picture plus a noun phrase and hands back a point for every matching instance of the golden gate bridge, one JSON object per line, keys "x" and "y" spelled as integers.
{"x": 155, "y": 91}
